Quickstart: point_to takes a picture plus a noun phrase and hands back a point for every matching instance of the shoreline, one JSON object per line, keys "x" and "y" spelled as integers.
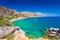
{"x": 12, "y": 20}
{"x": 20, "y": 18}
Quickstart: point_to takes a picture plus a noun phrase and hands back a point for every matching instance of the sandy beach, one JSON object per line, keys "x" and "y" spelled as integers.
{"x": 12, "y": 20}
{"x": 20, "y": 18}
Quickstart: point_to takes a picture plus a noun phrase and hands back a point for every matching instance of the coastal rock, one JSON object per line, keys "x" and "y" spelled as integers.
{"x": 53, "y": 32}
{"x": 18, "y": 33}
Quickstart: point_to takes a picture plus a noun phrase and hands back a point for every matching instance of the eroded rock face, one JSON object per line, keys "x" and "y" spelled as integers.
{"x": 4, "y": 31}
{"x": 18, "y": 33}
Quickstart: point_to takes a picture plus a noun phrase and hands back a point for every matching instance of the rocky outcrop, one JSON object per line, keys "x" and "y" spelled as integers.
{"x": 6, "y": 11}
{"x": 18, "y": 33}
{"x": 53, "y": 32}
{"x": 10, "y": 12}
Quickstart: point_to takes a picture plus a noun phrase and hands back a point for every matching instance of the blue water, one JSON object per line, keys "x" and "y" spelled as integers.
{"x": 34, "y": 27}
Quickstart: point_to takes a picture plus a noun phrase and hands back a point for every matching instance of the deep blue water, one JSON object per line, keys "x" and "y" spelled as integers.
{"x": 35, "y": 26}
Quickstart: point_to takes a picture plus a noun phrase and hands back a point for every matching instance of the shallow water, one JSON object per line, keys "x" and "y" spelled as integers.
{"x": 35, "y": 26}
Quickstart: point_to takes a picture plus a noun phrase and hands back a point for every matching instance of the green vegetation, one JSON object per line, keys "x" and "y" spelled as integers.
{"x": 9, "y": 37}
{"x": 11, "y": 17}
{"x": 5, "y": 20}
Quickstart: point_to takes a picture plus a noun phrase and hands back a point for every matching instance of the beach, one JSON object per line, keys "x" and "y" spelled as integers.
{"x": 12, "y": 20}
{"x": 20, "y": 18}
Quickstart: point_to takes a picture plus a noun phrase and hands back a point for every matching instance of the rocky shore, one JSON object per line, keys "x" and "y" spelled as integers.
{"x": 9, "y": 31}
{"x": 18, "y": 33}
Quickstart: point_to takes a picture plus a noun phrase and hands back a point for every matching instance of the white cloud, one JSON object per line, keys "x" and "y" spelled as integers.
{"x": 46, "y": 14}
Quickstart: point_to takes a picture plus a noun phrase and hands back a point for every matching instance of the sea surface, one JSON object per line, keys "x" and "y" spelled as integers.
{"x": 35, "y": 26}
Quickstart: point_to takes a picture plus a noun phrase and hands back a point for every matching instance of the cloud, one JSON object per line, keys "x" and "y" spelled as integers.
{"x": 46, "y": 14}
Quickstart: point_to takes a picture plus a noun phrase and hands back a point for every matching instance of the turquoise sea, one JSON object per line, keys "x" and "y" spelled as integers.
{"x": 35, "y": 26}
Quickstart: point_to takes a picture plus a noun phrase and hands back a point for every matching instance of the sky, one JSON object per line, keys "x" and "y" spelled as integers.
{"x": 42, "y": 6}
